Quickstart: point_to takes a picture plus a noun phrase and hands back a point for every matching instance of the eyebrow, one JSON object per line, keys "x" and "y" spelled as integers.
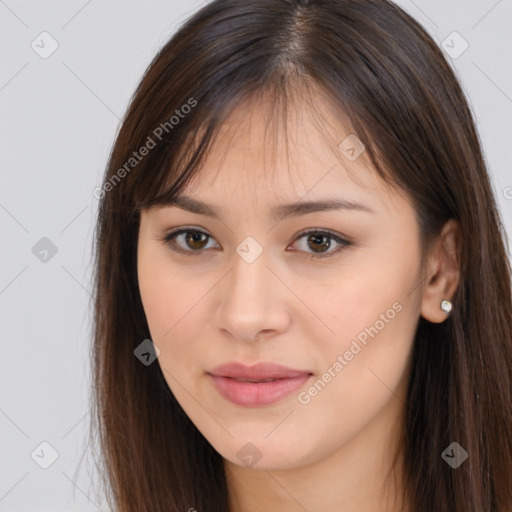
{"x": 279, "y": 212}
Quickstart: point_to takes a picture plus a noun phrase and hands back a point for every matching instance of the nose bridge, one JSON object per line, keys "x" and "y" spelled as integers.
{"x": 249, "y": 302}
{"x": 250, "y": 274}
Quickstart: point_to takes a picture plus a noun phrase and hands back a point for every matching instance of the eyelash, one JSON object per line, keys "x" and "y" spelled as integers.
{"x": 169, "y": 240}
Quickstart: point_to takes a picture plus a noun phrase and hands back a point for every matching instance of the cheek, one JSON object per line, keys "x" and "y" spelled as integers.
{"x": 370, "y": 333}
{"x": 362, "y": 305}
{"x": 164, "y": 290}
{"x": 357, "y": 379}
{"x": 372, "y": 316}
{"x": 164, "y": 295}
{"x": 173, "y": 303}
{"x": 376, "y": 299}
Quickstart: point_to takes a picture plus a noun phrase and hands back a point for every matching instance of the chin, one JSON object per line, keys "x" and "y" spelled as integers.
{"x": 265, "y": 454}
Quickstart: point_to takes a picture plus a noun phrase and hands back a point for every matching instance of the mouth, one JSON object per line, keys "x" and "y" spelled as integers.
{"x": 257, "y": 385}
{"x": 252, "y": 380}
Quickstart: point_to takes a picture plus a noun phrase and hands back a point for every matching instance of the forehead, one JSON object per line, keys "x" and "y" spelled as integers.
{"x": 263, "y": 149}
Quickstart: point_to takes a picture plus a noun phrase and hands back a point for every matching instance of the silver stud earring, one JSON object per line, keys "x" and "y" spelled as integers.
{"x": 446, "y": 306}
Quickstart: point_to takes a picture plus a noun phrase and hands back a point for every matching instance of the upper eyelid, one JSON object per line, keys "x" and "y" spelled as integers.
{"x": 302, "y": 232}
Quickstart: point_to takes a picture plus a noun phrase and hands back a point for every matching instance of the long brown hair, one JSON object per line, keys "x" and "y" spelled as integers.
{"x": 406, "y": 106}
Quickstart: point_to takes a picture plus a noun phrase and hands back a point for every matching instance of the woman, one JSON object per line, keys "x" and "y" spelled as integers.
{"x": 303, "y": 290}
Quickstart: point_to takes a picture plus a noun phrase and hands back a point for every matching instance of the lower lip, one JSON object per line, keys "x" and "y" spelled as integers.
{"x": 251, "y": 394}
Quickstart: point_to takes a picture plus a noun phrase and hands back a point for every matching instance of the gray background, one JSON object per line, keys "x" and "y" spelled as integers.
{"x": 59, "y": 116}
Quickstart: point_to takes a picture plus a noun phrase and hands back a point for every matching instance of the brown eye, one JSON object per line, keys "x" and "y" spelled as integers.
{"x": 195, "y": 239}
{"x": 192, "y": 241}
{"x": 318, "y": 242}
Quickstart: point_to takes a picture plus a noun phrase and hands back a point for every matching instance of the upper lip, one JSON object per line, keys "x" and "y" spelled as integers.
{"x": 264, "y": 370}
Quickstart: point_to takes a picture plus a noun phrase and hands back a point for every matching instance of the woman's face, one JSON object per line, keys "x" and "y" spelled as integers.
{"x": 245, "y": 287}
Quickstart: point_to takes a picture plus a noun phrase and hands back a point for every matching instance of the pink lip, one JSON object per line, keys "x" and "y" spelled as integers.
{"x": 233, "y": 382}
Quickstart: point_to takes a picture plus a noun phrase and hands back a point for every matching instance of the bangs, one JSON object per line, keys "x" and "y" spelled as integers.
{"x": 284, "y": 105}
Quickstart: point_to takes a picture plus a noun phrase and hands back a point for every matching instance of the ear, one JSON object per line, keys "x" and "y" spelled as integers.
{"x": 443, "y": 273}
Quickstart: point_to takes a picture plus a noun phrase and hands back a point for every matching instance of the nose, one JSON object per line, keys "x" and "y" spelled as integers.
{"x": 253, "y": 301}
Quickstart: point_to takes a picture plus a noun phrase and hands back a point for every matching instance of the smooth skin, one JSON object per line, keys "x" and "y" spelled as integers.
{"x": 210, "y": 306}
